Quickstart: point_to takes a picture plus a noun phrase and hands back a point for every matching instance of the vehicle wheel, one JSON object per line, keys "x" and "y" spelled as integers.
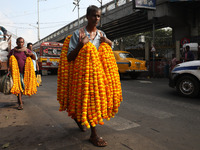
{"x": 187, "y": 86}
{"x": 134, "y": 75}
{"x": 120, "y": 75}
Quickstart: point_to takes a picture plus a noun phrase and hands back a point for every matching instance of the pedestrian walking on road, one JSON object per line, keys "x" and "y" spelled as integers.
{"x": 35, "y": 62}
{"x": 198, "y": 55}
{"x": 189, "y": 56}
{"x": 4, "y": 32}
{"x": 173, "y": 62}
{"x": 85, "y": 42}
{"x": 21, "y": 53}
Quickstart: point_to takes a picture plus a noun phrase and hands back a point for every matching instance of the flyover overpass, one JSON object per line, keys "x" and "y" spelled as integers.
{"x": 120, "y": 19}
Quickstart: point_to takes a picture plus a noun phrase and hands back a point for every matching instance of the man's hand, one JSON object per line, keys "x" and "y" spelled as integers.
{"x": 103, "y": 39}
{"x": 84, "y": 40}
{"x": 28, "y": 54}
{"x": 8, "y": 70}
{"x": 106, "y": 40}
{"x": 38, "y": 69}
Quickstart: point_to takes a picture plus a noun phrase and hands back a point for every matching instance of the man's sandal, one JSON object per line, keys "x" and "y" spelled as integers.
{"x": 20, "y": 107}
{"x": 98, "y": 141}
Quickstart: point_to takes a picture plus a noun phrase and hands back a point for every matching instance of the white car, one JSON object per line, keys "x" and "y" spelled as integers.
{"x": 185, "y": 77}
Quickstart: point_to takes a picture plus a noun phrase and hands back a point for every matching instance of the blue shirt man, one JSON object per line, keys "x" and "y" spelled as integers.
{"x": 76, "y": 35}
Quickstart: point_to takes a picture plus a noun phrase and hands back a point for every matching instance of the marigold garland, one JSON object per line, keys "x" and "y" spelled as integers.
{"x": 89, "y": 88}
{"x": 30, "y": 81}
{"x": 17, "y": 87}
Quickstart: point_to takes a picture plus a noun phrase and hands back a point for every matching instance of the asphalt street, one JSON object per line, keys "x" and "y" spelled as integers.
{"x": 151, "y": 117}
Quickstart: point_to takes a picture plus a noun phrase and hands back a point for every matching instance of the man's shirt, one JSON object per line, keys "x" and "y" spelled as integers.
{"x": 75, "y": 39}
{"x": 34, "y": 61}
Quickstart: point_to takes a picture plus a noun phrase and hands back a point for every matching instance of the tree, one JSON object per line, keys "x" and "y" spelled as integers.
{"x": 162, "y": 37}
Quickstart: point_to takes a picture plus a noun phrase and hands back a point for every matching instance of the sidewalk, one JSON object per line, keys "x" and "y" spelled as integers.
{"x": 9, "y": 115}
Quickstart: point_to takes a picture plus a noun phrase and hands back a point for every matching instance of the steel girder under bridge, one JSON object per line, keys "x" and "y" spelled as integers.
{"x": 120, "y": 19}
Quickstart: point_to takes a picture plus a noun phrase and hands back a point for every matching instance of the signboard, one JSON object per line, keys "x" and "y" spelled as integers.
{"x": 185, "y": 40}
{"x": 180, "y": 0}
{"x": 146, "y": 4}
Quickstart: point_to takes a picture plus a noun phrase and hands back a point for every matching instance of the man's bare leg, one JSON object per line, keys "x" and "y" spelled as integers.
{"x": 82, "y": 128}
{"x": 95, "y": 139}
{"x": 19, "y": 97}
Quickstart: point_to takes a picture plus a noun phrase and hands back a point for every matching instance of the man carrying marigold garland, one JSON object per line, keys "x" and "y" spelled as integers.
{"x": 80, "y": 37}
{"x": 20, "y": 53}
{"x": 88, "y": 82}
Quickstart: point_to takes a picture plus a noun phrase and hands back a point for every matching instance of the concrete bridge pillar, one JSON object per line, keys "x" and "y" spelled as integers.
{"x": 190, "y": 27}
{"x": 147, "y": 51}
{"x": 182, "y": 17}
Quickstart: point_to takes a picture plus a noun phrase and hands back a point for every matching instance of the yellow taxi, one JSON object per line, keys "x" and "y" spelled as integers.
{"x": 127, "y": 64}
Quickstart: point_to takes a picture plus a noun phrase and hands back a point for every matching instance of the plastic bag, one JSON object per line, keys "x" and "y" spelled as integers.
{"x": 3, "y": 53}
{"x": 39, "y": 79}
{"x": 3, "y": 45}
{"x": 6, "y": 83}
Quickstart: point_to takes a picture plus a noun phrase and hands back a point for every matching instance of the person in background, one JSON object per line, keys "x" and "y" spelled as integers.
{"x": 35, "y": 62}
{"x": 4, "y": 32}
{"x": 1, "y": 36}
{"x": 198, "y": 53}
{"x": 189, "y": 56}
{"x": 21, "y": 53}
{"x": 173, "y": 62}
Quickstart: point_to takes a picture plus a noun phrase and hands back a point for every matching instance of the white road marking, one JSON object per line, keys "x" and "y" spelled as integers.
{"x": 149, "y": 111}
{"x": 119, "y": 123}
{"x": 145, "y": 81}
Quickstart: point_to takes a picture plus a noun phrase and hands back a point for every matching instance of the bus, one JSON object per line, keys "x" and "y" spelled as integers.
{"x": 48, "y": 56}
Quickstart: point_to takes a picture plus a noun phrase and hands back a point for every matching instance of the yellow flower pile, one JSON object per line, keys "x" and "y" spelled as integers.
{"x": 89, "y": 88}
{"x": 17, "y": 87}
{"x": 30, "y": 81}
{"x": 63, "y": 80}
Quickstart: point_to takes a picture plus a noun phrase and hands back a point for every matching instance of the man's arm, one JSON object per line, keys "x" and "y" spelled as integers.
{"x": 37, "y": 66}
{"x": 30, "y": 54}
{"x": 106, "y": 40}
{"x": 73, "y": 54}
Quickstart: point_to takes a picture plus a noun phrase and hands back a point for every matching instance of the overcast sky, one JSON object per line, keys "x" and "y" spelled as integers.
{"x": 20, "y": 16}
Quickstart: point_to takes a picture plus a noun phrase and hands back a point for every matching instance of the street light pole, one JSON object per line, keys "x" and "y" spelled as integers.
{"x": 100, "y": 1}
{"x": 154, "y": 48}
{"x": 38, "y": 21}
{"x": 78, "y": 15}
{"x": 76, "y": 3}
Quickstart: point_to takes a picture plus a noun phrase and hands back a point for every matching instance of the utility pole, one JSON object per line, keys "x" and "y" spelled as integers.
{"x": 76, "y": 3}
{"x": 153, "y": 48}
{"x": 38, "y": 20}
{"x": 38, "y": 12}
{"x": 100, "y": 1}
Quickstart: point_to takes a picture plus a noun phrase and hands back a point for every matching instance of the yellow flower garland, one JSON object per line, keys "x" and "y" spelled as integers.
{"x": 30, "y": 81}
{"x": 89, "y": 88}
{"x": 17, "y": 87}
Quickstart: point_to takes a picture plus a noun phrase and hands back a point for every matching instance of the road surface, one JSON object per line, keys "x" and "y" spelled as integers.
{"x": 151, "y": 117}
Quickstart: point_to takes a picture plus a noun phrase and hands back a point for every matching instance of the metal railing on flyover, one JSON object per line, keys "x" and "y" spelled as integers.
{"x": 71, "y": 27}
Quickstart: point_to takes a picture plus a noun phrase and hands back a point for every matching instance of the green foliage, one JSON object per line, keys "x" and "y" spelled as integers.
{"x": 162, "y": 37}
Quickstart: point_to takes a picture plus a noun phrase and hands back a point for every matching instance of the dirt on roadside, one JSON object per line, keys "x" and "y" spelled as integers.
{"x": 10, "y": 119}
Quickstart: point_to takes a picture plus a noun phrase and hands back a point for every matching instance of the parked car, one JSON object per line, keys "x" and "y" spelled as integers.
{"x": 127, "y": 64}
{"x": 185, "y": 77}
